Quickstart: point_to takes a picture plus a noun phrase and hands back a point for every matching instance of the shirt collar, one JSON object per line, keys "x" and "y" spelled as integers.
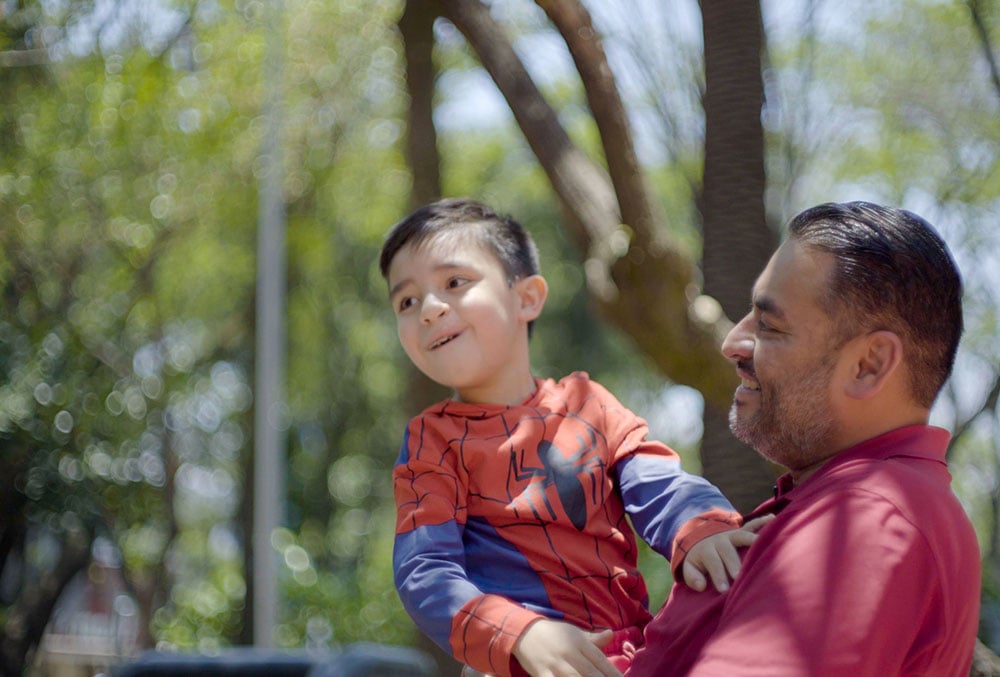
{"x": 914, "y": 441}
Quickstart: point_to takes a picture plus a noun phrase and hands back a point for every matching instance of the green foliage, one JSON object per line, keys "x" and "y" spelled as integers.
{"x": 128, "y": 204}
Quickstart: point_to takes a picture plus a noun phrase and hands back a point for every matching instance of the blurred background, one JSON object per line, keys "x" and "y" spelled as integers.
{"x": 156, "y": 155}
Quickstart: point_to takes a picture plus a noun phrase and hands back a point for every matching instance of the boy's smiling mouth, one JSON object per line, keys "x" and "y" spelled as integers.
{"x": 442, "y": 341}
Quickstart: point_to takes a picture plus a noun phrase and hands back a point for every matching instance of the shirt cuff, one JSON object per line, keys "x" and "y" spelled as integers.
{"x": 697, "y": 529}
{"x": 490, "y": 627}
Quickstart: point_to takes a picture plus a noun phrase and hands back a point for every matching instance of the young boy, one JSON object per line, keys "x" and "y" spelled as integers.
{"x": 512, "y": 548}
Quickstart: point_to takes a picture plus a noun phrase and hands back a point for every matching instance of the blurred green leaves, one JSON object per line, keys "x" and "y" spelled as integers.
{"x": 128, "y": 210}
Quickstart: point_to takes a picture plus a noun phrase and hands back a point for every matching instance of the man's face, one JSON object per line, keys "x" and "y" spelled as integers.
{"x": 785, "y": 355}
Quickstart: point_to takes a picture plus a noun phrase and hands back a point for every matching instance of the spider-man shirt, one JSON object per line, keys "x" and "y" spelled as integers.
{"x": 507, "y": 514}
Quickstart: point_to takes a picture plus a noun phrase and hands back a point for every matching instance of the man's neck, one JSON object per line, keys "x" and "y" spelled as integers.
{"x": 850, "y": 438}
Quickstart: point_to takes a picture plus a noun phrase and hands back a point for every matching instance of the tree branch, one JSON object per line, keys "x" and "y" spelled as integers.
{"x": 580, "y": 184}
{"x": 576, "y": 27}
{"x": 979, "y": 23}
{"x": 647, "y": 292}
{"x": 989, "y": 404}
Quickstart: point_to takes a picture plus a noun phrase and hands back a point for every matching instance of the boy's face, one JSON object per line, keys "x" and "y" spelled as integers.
{"x": 460, "y": 322}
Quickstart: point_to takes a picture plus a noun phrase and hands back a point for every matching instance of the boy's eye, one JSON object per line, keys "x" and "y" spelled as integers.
{"x": 405, "y": 302}
{"x": 456, "y": 281}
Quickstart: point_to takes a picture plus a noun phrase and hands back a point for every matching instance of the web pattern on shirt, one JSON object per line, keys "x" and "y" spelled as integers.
{"x": 544, "y": 482}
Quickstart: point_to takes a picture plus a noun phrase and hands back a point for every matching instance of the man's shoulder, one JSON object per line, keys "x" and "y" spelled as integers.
{"x": 905, "y": 462}
{"x": 896, "y": 482}
{"x": 872, "y": 491}
{"x": 891, "y": 476}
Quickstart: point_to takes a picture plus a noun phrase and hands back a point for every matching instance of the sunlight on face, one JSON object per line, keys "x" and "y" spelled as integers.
{"x": 782, "y": 352}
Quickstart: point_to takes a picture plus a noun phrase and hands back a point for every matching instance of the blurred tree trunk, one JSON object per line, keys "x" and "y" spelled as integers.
{"x": 416, "y": 28}
{"x": 245, "y": 521}
{"x": 151, "y": 585}
{"x": 26, "y": 619}
{"x": 736, "y": 239}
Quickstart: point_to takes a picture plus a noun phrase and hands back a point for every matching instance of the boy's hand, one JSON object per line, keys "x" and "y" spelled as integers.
{"x": 556, "y": 649}
{"x": 717, "y": 556}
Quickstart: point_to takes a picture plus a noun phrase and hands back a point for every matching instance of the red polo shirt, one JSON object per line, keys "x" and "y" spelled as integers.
{"x": 870, "y": 568}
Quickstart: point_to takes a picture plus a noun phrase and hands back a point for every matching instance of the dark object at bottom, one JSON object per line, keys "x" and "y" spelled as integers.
{"x": 362, "y": 659}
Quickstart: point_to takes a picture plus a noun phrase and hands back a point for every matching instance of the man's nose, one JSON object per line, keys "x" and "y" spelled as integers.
{"x": 739, "y": 341}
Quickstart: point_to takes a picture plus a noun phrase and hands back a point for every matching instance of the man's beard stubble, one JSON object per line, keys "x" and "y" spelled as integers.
{"x": 792, "y": 428}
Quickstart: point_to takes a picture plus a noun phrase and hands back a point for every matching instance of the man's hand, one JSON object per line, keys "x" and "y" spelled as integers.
{"x": 718, "y": 556}
{"x": 556, "y": 649}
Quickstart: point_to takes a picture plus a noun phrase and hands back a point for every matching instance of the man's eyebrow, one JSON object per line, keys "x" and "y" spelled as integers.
{"x": 767, "y": 305}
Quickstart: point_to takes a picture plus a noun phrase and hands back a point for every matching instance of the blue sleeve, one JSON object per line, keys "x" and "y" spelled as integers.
{"x": 660, "y": 497}
{"x": 430, "y": 575}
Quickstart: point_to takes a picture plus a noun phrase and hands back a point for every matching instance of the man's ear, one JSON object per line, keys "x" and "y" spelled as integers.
{"x": 874, "y": 361}
{"x": 532, "y": 290}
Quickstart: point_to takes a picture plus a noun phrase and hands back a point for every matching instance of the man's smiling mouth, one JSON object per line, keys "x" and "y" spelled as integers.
{"x": 746, "y": 373}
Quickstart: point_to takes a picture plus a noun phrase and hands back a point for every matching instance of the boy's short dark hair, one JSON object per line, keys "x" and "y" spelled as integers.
{"x": 503, "y": 236}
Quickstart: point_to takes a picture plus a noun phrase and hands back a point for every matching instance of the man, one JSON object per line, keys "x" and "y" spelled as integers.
{"x": 870, "y": 566}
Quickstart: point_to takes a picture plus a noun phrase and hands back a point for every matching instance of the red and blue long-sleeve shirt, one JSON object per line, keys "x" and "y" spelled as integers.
{"x": 506, "y": 514}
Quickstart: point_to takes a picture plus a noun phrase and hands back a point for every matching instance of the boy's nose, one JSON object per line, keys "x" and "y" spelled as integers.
{"x": 432, "y": 308}
{"x": 739, "y": 341}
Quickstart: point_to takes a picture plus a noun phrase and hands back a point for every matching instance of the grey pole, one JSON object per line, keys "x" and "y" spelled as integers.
{"x": 269, "y": 360}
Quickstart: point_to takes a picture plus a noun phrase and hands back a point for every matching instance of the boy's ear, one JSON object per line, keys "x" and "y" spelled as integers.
{"x": 532, "y": 290}
{"x": 874, "y": 361}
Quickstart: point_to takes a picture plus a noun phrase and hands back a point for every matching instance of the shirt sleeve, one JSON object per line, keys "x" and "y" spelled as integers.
{"x": 671, "y": 510}
{"x": 479, "y": 630}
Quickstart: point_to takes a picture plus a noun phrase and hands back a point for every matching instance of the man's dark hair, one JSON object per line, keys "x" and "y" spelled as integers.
{"x": 499, "y": 234}
{"x": 891, "y": 271}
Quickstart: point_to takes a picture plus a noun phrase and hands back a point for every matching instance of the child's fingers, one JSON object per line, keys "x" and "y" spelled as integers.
{"x": 599, "y": 664}
{"x": 600, "y": 638}
{"x": 717, "y": 563}
{"x": 731, "y": 561}
{"x": 720, "y": 579}
{"x": 755, "y": 524}
{"x": 741, "y": 538}
{"x": 693, "y": 577}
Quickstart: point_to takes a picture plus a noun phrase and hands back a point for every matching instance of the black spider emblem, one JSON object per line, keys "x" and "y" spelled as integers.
{"x": 563, "y": 472}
